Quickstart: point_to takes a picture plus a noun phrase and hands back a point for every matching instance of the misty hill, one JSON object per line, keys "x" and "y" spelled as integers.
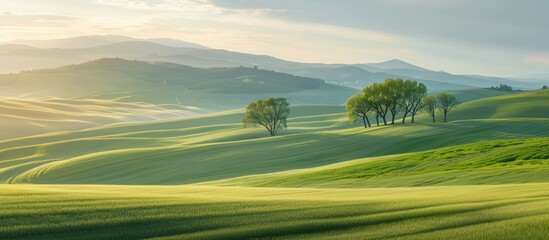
{"x": 239, "y": 80}
{"x": 99, "y": 40}
{"x": 21, "y": 57}
{"x": 25, "y": 117}
{"x": 358, "y": 77}
{"x": 168, "y": 83}
{"x": 395, "y": 64}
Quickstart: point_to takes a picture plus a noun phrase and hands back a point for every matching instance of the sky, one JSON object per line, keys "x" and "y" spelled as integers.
{"x": 489, "y": 37}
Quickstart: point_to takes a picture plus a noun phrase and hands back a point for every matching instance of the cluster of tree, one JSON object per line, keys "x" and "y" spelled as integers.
{"x": 393, "y": 96}
{"x": 503, "y": 87}
{"x": 389, "y": 98}
{"x": 396, "y": 96}
{"x": 544, "y": 87}
{"x": 270, "y": 113}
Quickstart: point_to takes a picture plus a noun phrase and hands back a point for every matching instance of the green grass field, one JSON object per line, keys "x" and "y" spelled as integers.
{"x": 216, "y": 147}
{"x": 531, "y": 104}
{"x": 193, "y": 212}
{"x": 482, "y": 176}
{"x": 491, "y": 162}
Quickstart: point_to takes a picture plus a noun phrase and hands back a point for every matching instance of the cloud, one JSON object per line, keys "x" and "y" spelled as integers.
{"x": 9, "y": 19}
{"x": 537, "y": 59}
{"x": 165, "y": 6}
{"x": 488, "y": 23}
{"x": 464, "y": 36}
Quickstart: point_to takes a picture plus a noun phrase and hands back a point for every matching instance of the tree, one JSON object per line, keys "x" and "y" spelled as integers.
{"x": 412, "y": 98}
{"x": 503, "y": 87}
{"x": 446, "y": 101}
{"x": 544, "y": 87}
{"x": 393, "y": 92}
{"x": 270, "y": 113}
{"x": 358, "y": 107}
{"x": 395, "y": 96}
{"x": 430, "y": 105}
{"x": 374, "y": 95}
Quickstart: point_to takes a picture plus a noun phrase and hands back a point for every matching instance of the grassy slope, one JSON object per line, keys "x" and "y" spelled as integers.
{"x": 532, "y": 104}
{"x": 214, "y": 147}
{"x": 19, "y": 117}
{"x": 467, "y": 95}
{"x": 492, "y": 162}
{"x": 191, "y": 212}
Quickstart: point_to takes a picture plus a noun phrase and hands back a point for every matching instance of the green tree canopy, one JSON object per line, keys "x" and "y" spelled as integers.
{"x": 413, "y": 94}
{"x": 395, "y": 96}
{"x": 375, "y": 95}
{"x": 393, "y": 92}
{"x": 270, "y": 113}
{"x": 358, "y": 107}
{"x": 446, "y": 102}
{"x": 430, "y": 105}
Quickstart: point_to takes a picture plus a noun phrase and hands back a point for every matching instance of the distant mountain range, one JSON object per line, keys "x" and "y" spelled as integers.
{"x": 23, "y": 55}
{"x": 211, "y": 89}
{"x": 99, "y": 40}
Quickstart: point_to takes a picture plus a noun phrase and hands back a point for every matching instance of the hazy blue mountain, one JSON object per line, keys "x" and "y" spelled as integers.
{"x": 358, "y": 77}
{"x": 6, "y": 48}
{"x": 99, "y": 40}
{"x": 395, "y": 64}
{"x": 21, "y": 57}
{"x": 540, "y": 76}
{"x": 174, "y": 43}
{"x": 467, "y": 80}
{"x": 73, "y": 42}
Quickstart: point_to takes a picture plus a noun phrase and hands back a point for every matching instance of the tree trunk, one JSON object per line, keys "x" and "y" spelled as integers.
{"x": 377, "y": 119}
{"x": 445, "y": 113}
{"x": 368, "y": 121}
{"x": 413, "y": 117}
{"x": 392, "y": 119}
{"x": 404, "y": 118}
{"x": 364, "y": 121}
{"x": 433, "y": 116}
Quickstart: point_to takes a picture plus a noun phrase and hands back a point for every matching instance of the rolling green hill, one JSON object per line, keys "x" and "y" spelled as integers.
{"x": 471, "y": 94}
{"x": 215, "y": 147}
{"x": 492, "y": 162}
{"x": 527, "y": 105}
{"x": 320, "y": 179}
{"x": 26, "y": 117}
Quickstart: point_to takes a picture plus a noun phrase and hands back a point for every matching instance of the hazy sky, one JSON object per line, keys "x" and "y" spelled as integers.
{"x": 494, "y": 37}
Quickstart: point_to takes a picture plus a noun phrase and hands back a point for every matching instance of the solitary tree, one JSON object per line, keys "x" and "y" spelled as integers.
{"x": 270, "y": 113}
{"x": 430, "y": 105}
{"x": 358, "y": 107}
{"x": 544, "y": 87}
{"x": 446, "y": 101}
